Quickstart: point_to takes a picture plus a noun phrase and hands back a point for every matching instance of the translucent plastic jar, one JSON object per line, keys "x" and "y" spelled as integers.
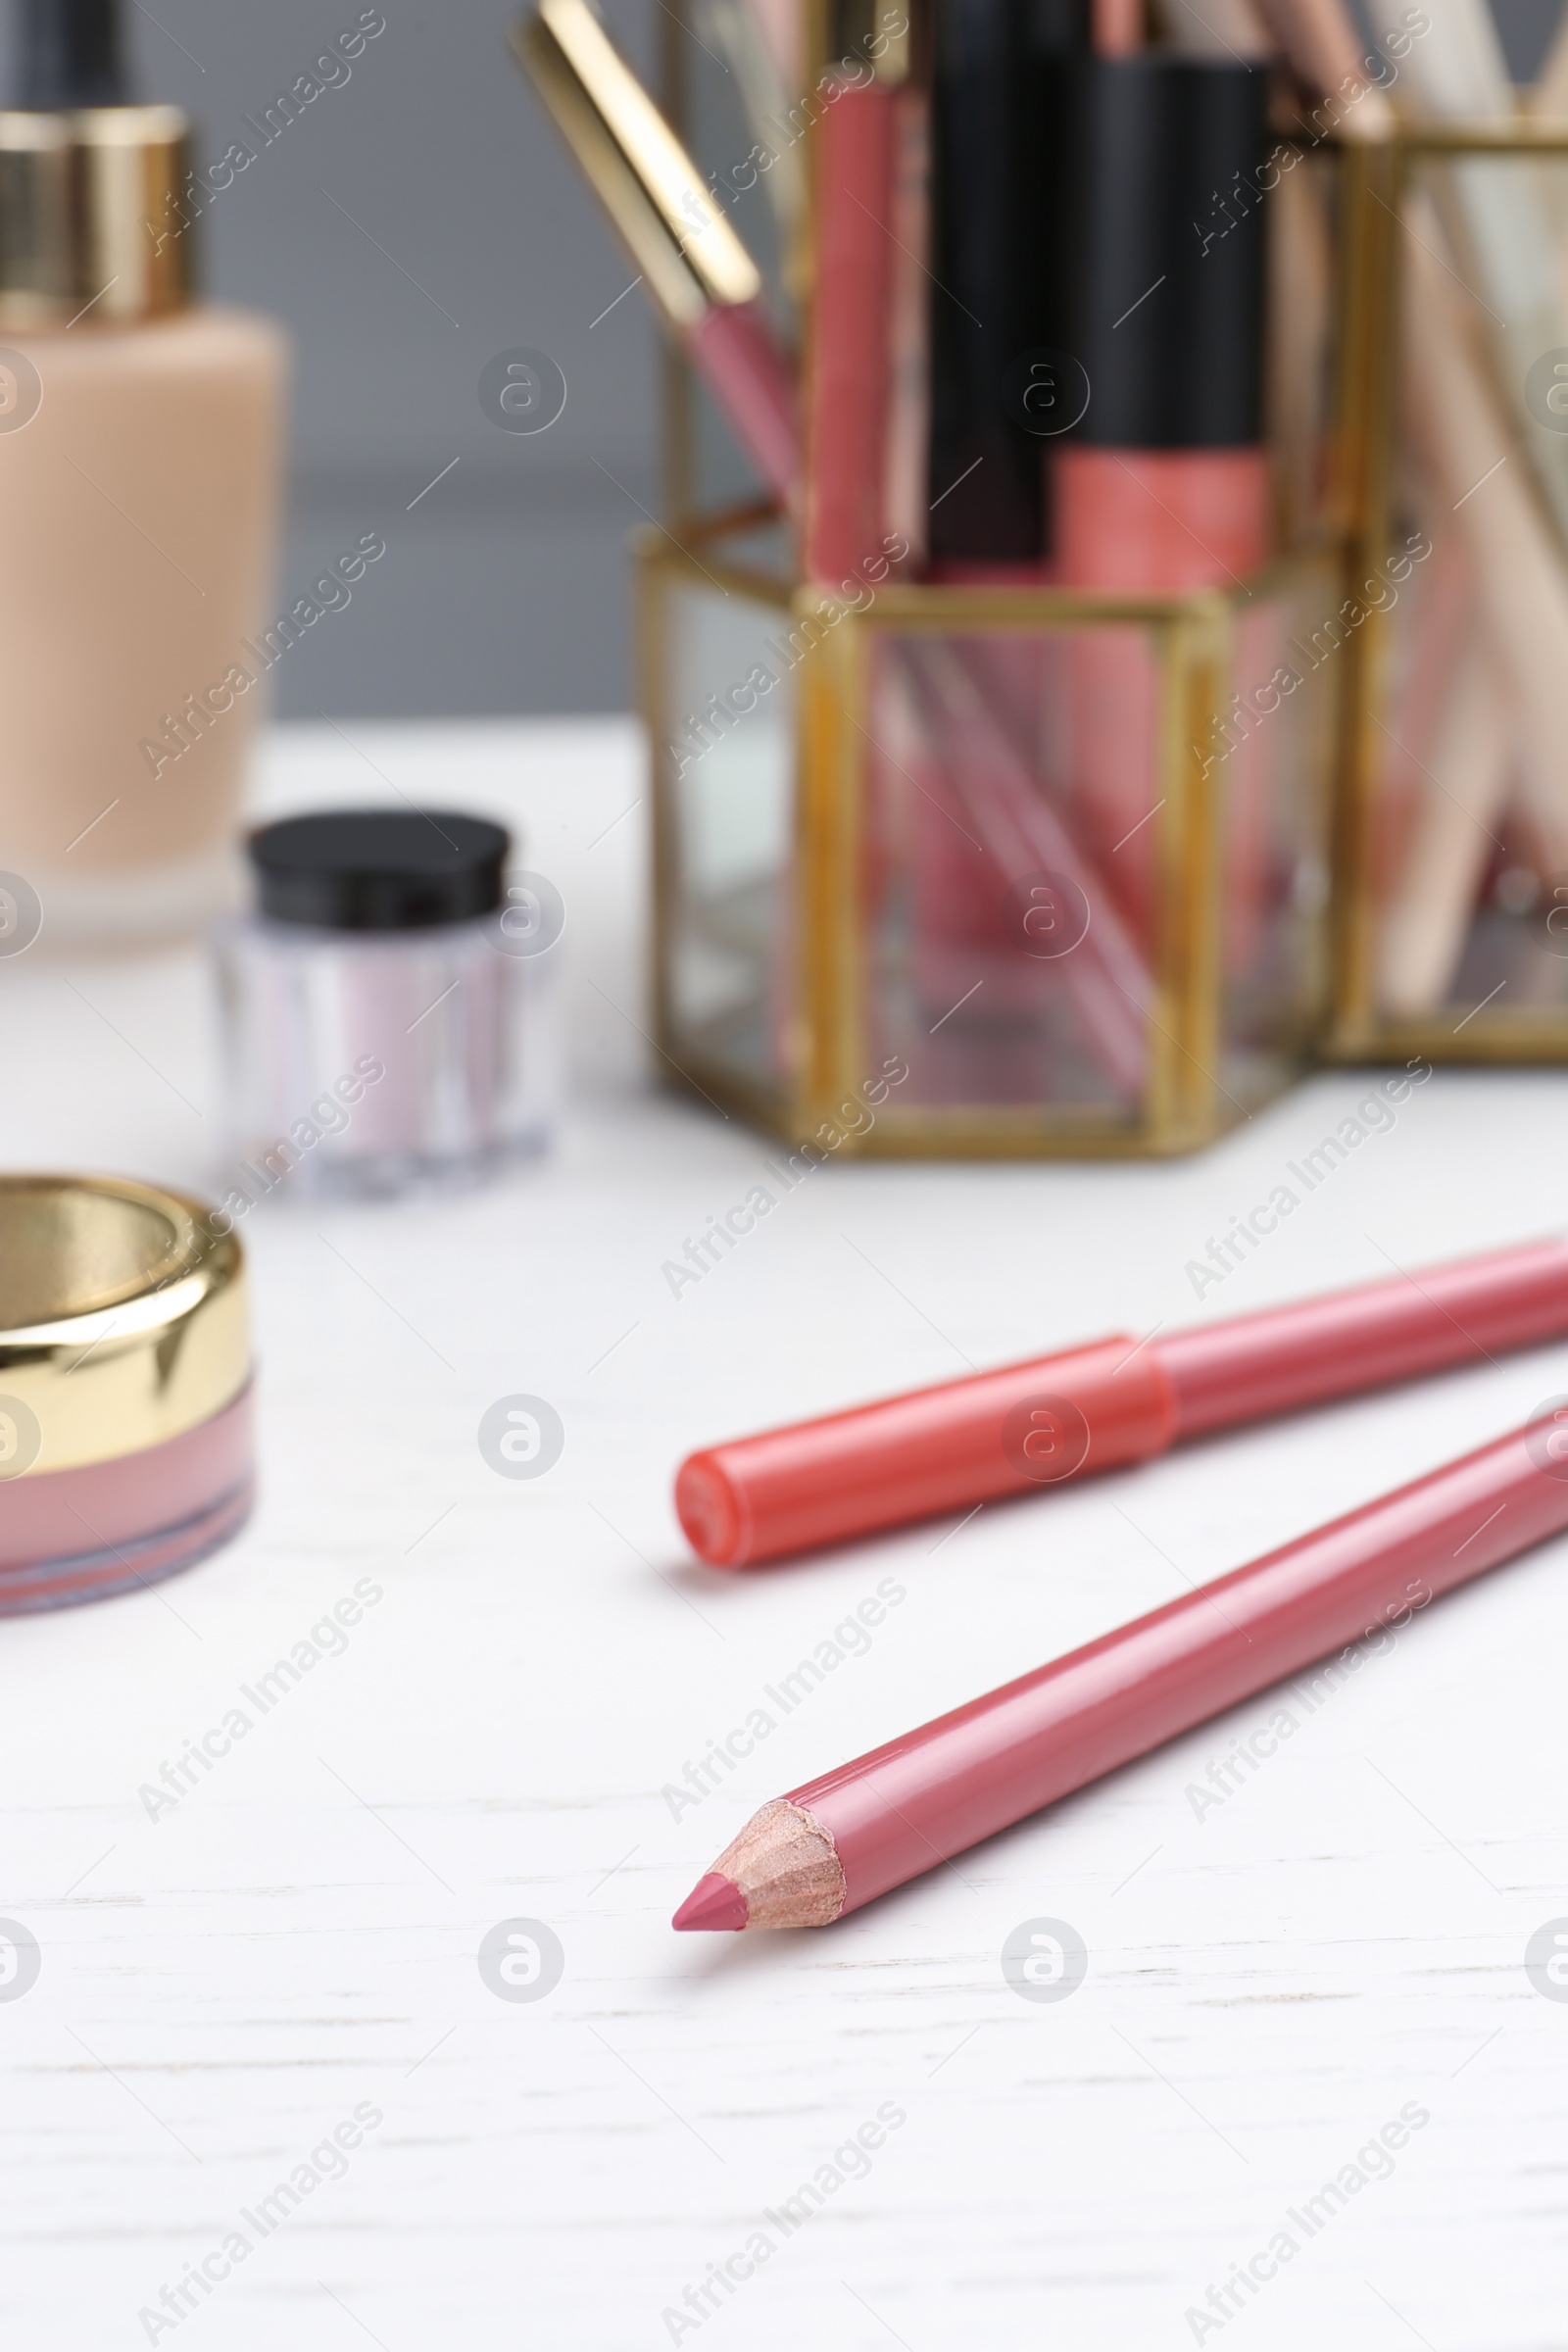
{"x": 386, "y": 1008}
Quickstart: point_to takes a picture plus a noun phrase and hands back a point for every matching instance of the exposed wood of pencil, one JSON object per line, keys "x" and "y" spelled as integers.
{"x": 785, "y": 1867}
{"x": 889, "y": 1816}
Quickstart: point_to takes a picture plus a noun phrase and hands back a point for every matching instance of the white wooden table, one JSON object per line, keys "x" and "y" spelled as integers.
{"x": 1272, "y": 1979}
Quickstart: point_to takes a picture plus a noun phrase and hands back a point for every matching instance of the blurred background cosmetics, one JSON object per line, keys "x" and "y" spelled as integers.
{"x": 999, "y": 653}
{"x": 1455, "y": 786}
{"x": 1161, "y": 485}
{"x": 124, "y": 1388}
{"x": 1150, "y": 426}
{"x": 139, "y": 462}
{"x": 386, "y": 1007}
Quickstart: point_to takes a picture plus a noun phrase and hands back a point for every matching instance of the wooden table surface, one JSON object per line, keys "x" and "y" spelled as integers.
{"x": 263, "y": 2090}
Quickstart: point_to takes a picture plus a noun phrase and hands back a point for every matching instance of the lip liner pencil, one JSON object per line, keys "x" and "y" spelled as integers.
{"x": 810, "y": 1857}
{"x": 1098, "y": 1406}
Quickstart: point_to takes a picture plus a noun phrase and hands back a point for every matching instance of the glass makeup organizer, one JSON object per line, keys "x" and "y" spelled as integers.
{"x": 1451, "y": 891}
{"x": 945, "y": 869}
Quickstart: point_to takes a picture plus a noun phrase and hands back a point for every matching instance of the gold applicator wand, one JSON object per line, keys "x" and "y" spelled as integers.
{"x": 699, "y": 274}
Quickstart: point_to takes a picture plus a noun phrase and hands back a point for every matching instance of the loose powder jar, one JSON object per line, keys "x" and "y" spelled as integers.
{"x": 386, "y": 1005}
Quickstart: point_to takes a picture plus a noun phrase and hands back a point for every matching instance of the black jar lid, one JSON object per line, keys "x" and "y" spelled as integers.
{"x": 379, "y": 869}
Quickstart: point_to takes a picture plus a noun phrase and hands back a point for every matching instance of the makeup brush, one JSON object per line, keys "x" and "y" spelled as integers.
{"x": 690, "y": 263}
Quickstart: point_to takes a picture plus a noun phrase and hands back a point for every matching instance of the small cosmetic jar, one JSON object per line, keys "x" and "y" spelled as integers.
{"x": 386, "y": 1007}
{"x": 124, "y": 1388}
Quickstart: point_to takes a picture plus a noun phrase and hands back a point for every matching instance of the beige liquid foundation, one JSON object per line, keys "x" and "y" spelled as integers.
{"x": 140, "y": 436}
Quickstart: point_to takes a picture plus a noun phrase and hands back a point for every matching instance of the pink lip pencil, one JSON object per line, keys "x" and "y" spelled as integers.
{"x": 810, "y": 1857}
{"x": 1104, "y": 1404}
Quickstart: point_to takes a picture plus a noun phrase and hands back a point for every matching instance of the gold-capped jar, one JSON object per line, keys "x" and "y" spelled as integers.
{"x": 125, "y": 1386}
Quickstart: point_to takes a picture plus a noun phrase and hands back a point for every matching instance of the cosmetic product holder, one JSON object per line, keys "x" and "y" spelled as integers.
{"x": 852, "y": 947}
{"x": 987, "y": 870}
{"x": 1450, "y": 896}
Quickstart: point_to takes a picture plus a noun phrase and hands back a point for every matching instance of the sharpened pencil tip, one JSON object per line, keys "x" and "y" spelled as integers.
{"x": 713, "y": 1902}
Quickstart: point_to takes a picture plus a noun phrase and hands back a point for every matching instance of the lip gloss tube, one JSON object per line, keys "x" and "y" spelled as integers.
{"x": 1099, "y": 1406}
{"x": 1165, "y": 486}
{"x": 848, "y": 377}
{"x": 999, "y": 182}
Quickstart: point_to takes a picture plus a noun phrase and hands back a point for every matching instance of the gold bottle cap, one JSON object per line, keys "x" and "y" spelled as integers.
{"x": 93, "y": 218}
{"x": 123, "y": 1320}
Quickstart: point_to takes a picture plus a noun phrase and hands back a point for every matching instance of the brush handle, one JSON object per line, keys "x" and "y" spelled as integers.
{"x": 737, "y": 355}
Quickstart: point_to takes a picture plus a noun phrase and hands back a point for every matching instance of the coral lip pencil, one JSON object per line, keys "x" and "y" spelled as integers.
{"x": 810, "y": 1857}
{"x": 1112, "y": 1401}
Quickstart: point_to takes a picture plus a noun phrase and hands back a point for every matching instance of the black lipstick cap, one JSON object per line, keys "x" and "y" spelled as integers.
{"x": 1164, "y": 230}
{"x": 999, "y": 195}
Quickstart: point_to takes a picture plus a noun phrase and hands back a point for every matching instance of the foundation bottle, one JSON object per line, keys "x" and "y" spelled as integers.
{"x": 140, "y": 434}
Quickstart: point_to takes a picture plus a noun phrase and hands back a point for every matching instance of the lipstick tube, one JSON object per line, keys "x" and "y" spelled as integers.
{"x": 847, "y": 374}
{"x": 999, "y": 186}
{"x": 1164, "y": 485}
{"x": 697, "y": 271}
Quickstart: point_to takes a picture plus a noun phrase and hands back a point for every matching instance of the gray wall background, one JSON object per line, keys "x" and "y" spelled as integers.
{"x": 409, "y": 226}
